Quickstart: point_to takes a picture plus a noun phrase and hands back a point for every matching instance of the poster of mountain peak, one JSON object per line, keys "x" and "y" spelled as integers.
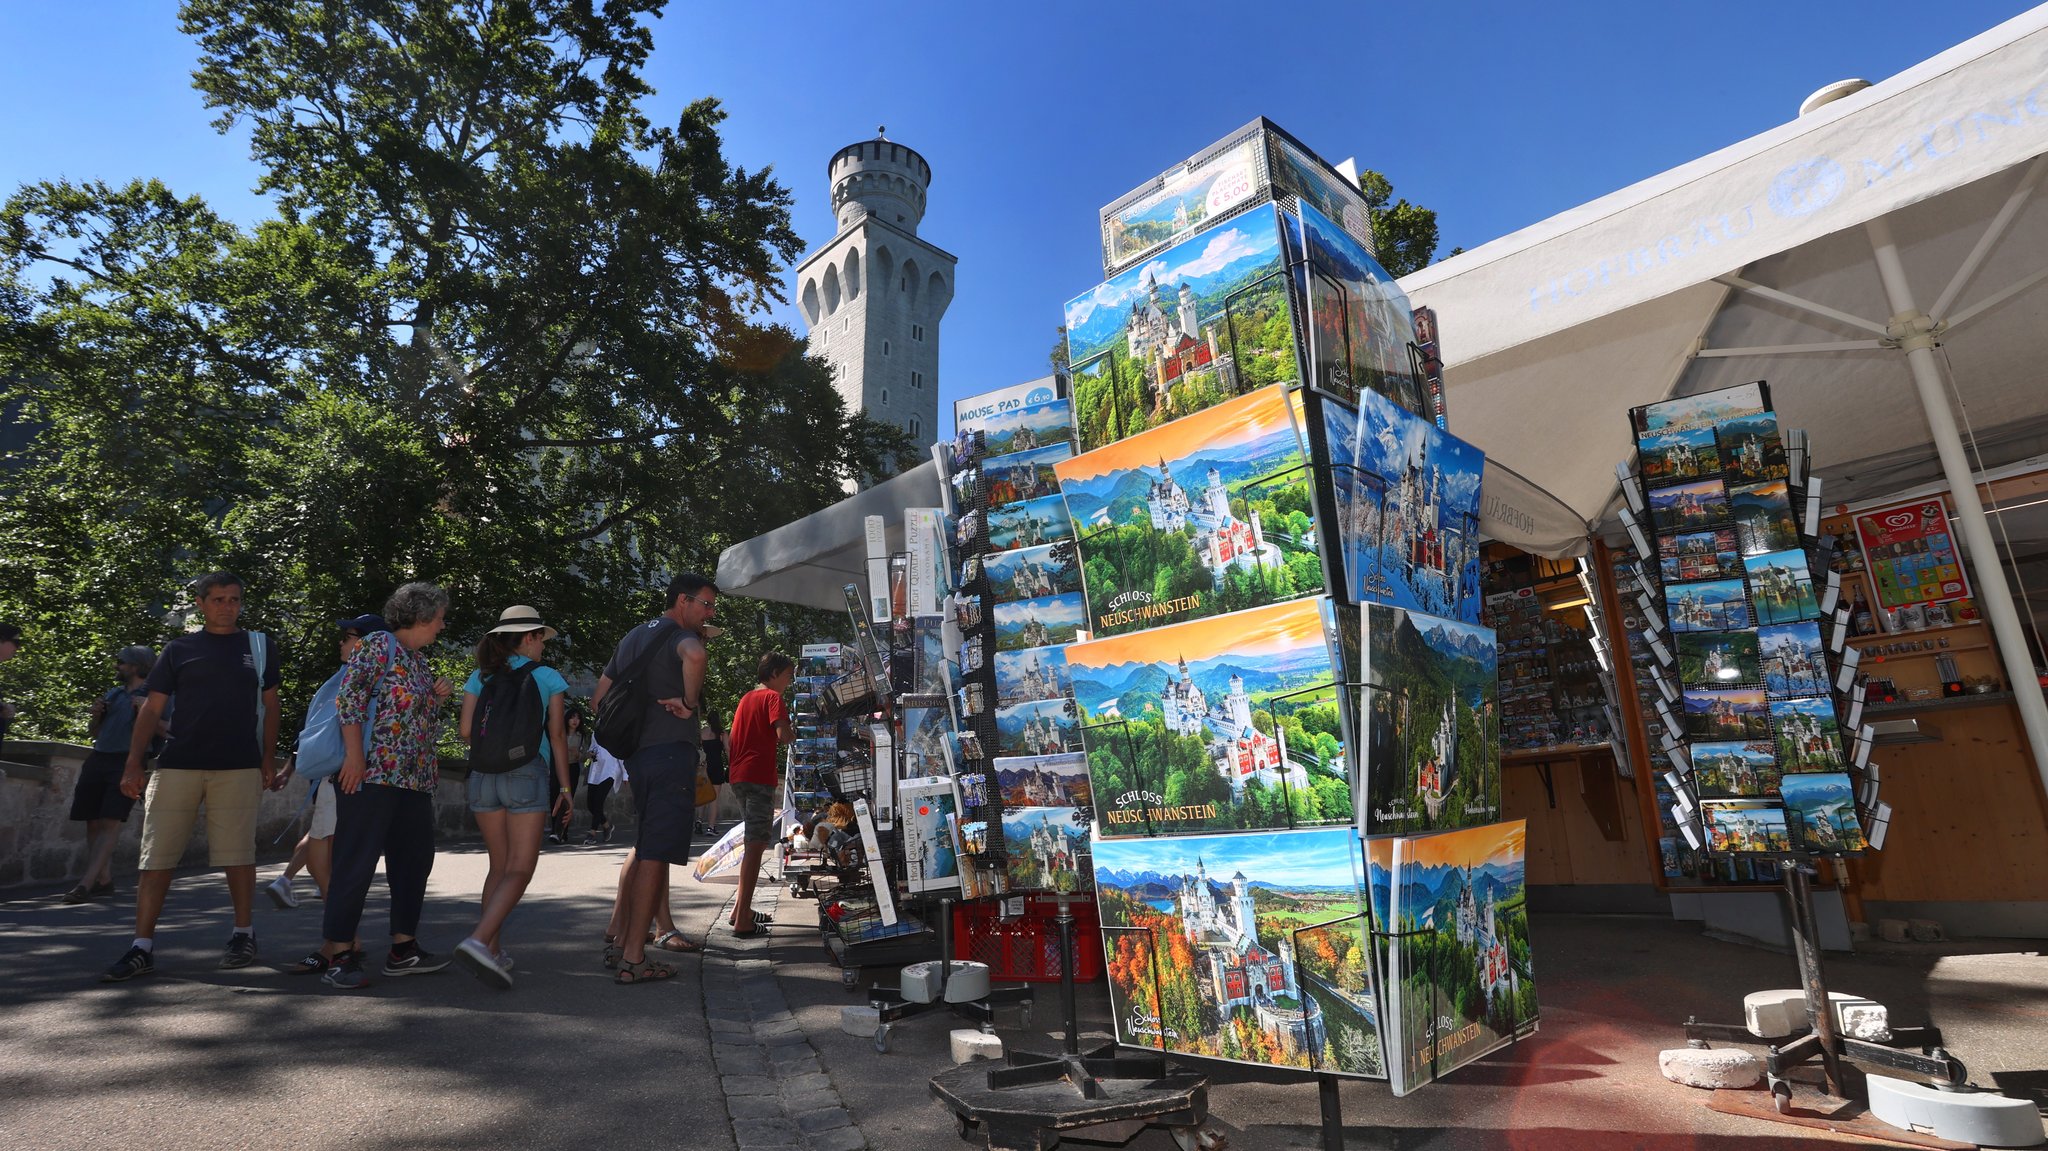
{"x": 1431, "y": 700}
{"x": 1210, "y": 514}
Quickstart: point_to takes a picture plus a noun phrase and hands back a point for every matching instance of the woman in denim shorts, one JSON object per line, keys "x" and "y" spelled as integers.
{"x": 512, "y": 808}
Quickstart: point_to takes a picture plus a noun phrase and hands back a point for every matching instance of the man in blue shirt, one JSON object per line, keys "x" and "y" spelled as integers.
{"x": 96, "y": 800}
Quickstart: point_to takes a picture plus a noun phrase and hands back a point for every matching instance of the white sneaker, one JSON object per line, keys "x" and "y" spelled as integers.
{"x": 504, "y": 959}
{"x": 281, "y": 892}
{"x": 477, "y": 958}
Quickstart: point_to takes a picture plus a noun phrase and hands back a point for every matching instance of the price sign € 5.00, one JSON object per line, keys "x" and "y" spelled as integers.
{"x": 1911, "y": 554}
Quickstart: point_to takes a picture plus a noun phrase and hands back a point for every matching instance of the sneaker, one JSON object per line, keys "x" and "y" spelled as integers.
{"x": 346, "y": 972}
{"x": 504, "y": 959}
{"x": 594, "y": 838}
{"x": 281, "y": 892}
{"x": 241, "y": 951}
{"x": 314, "y": 963}
{"x": 135, "y": 962}
{"x": 420, "y": 962}
{"x": 99, "y": 889}
{"x": 478, "y": 960}
{"x": 78, "y": 894}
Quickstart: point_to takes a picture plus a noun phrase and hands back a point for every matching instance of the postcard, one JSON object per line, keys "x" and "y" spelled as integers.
{"x": 1688, "y": 507}
{"x": 1044, "y": 780}
{"x": 1030, "y": 623}
{"x": 1821, "y": 808}
{"x": 1734, "y": 768}
{"x": 1679, "y": 455}
{"x": 1737, "y": 826}
{"x": 1718, "y": 658}
{"x": 1809, "y": 738}
{"x": 1763, "y": 517}
{"x": 1411, "y": 500}
{"x": 1711, "y": 605}
{"x": 1028, "y": 524}
{"x": 1794, "y": 658}
{"x": 1032, "y": 573}
{"x": 1711, "y": 554}
{"x": 1726, "y": 713}
{"x": 1751, "y": 449}
{"x": 1044, "y": 727}
{"x": 1033, "y": 674}
{"x": 1781, "y": 587}
{"x": 1707, "y": 409}
{"x": 1046, "y": 849}
{"x": 1025, "y": 475}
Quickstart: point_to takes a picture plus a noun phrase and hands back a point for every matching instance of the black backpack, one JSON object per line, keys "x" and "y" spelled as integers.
{"x": 509, "y": 721}
{"x": 622, "y": 716}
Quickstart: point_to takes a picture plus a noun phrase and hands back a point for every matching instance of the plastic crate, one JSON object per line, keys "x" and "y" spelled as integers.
{"x": 1026, "y": 948}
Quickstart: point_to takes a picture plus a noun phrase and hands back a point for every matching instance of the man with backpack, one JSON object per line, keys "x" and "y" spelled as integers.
{"x": 648, "y": 705}
{"x": 217, "y": 758}
{"x": 317, "y": 761}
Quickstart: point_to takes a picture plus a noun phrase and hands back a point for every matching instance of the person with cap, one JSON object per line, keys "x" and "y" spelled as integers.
{"x": 96, "y": 800}
{"x": 315, "y": 850}
{"x": 512, "y": 689}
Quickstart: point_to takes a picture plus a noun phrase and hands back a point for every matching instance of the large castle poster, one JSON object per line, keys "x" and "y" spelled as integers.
{"x": 1408, "y": 508}
{"x": 1206, "y": 515}
{"x": 1205, "y": 320}
{"x": 1248, "y": 947}
{"x": 1431, "y": 701}
{"x": 1214, "y": 724}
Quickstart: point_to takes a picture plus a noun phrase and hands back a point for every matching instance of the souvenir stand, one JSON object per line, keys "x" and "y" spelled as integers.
{"x": 1759, "y": 697}
{"x": 1239, "y": 652}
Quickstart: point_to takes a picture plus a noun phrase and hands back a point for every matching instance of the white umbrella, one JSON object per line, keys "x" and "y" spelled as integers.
{"x": 1847, "y": 257}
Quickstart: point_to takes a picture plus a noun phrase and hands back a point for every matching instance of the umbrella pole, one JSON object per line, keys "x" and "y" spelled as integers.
{"x": 1916, "y": 334}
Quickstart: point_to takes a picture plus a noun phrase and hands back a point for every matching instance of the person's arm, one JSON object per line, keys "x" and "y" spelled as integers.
{"x": 352, "y": 709}
{"x": 96, "y": 717}
{"x": 138, "y": 743}
{"x": 691, "y": 650}
{"x": 785, "y": 727}
{"x": 468, "y": 715}
{"x": 558, "y": 743}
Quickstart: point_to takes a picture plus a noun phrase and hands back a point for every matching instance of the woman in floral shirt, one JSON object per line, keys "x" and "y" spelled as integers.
{"x": 389, "y": 705}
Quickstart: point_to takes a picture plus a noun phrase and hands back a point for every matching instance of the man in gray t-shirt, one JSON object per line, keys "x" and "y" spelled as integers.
{"x": 663, "y": 769}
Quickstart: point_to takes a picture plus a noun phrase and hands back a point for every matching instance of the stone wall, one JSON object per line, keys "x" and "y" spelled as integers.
{"x": 40, "y": 845}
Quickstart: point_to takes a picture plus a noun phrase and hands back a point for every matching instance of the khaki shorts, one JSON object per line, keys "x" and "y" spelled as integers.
{"x": 172, "y": 805}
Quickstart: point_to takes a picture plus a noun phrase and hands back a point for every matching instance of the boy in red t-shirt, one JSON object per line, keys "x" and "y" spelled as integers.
{"x": 759, "y": 724}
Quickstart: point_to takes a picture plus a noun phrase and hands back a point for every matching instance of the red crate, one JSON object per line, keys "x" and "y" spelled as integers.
{"x": 1026, "y": 948}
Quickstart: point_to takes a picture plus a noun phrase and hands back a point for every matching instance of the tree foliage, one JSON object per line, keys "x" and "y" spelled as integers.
{"x": 1404, "y": 233}
{"x": 502, "y": 333}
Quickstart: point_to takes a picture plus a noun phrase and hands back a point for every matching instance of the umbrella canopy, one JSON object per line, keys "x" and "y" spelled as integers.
{"x": 1873, "y": 259}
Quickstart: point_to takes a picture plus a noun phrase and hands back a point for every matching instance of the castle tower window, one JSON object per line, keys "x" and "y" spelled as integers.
{"x": 885, "y": 397}
{"x": 917, "y": 379}
{"x": 916, "y": 426}
{"x": 917, "y": 332}
{"x": 885, "y": 347}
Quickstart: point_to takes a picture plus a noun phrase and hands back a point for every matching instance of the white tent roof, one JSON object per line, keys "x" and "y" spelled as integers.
{"x": 810, "y": 561}
{"x": 1551, "y": 333}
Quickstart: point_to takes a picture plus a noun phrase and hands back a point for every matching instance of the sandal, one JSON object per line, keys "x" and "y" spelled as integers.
{"x": 674, "y": 941}
{"x": 645, "y": 971}
{"x": 613, "y": 952}
{"x": 761, "y": 919}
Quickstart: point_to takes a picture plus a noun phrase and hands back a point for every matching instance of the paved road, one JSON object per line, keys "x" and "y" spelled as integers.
{"x": 744, "y": 1050}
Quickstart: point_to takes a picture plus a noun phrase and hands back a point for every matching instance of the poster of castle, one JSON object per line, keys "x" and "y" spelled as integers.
{"x": 1028, "y": 623}
{"x": 1034, "y": 674}
{"x": 1809, "y": 738}
{"x": 1214, "y": 724}
{"x": 1204, "y": 320}
{"x": 1031, "y": 573}
{"x": 1046, "y": 849}
{"x": 1359, "y": 322}
{"x": 1745, "y": 826}
{"x": 1432, "y": 723}
{"x": 1043, "y": 727}
{"x": 1029, "y": 524}
{"x": 1410, "y": 527}
{"x": 1043, "y": 780}
{"x": 1794, "y": 658}
{"x": 927, "y": 720}
{"x": 1209, "y": 514}
{"x": 1705, "y": 410}
{"x": 1201, "y": 941}
{"x": 1024, "y": 475}
{"x": 1821, "y": 808}
{"x": 1041, "y": 423}
{"x": 1460, "y": 980}
{"x": 1205, "y": 188}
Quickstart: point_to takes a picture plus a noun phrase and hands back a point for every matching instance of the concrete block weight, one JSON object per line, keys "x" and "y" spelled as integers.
{"x": 1710, "y": 1068}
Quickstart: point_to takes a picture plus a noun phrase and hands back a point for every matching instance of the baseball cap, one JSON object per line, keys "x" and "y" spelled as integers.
{"x": 363, "y": 624}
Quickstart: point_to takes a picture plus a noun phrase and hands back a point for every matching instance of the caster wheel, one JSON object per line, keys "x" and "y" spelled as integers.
{"x": 882, "y": 1039}
{"x": 1781, "y": 1096}
{"x": 1198, "y": 1139}
{"x": 848, "y": 977}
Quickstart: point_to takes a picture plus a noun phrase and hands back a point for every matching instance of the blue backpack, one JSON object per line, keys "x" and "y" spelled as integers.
{"x": 320, "y": 747}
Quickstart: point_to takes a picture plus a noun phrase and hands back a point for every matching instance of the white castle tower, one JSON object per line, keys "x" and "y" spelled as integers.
{"x": 872, "y": 297}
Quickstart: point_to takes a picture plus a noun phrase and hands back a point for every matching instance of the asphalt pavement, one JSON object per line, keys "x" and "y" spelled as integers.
{"x": 743, "y": 1050}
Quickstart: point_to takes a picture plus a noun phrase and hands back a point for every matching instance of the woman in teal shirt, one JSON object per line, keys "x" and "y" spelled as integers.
{"x": 512, "y": 807}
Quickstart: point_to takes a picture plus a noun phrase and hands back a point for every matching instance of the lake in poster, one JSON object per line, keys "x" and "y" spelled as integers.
{"x": 1203, "y": 321}
{"x": 1206, "y": 515}
{"x": 1201, "y": 940}
{"x": 1214, "y": 724}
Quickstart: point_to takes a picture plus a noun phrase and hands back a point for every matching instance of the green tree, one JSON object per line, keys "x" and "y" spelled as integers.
{"x": 502, "y": 333}
{"x": 1405, "y": 234}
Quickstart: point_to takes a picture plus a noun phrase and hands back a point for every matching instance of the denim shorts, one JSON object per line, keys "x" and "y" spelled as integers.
{"x": 524, "y": 790}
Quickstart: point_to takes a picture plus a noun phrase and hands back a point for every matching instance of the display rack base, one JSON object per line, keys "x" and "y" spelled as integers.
{"x": 1807, "y": 1105}
{"x": 1819, "y": 1048}
{"x": 889, "y": 951}
{"x": 1035, "y": 1101}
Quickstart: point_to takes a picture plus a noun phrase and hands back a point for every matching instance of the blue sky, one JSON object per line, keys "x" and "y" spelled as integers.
{"x": 1033, "y": 116}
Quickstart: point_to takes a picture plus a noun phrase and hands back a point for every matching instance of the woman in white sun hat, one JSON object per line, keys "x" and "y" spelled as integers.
{"x": 512, "y": 718}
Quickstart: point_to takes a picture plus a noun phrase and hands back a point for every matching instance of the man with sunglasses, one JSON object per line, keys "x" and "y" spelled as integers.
{"x": 664, "y": 767}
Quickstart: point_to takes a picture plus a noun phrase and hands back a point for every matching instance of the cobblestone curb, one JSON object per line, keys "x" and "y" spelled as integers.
{"x": 776, "y": 1090}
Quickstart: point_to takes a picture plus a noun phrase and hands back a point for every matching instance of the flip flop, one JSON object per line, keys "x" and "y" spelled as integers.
{"x": 757, "y": 929}
{"x": 761, "y": 919}
{"x": 645, "y": 971}
{"x": 674, "y": 941}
